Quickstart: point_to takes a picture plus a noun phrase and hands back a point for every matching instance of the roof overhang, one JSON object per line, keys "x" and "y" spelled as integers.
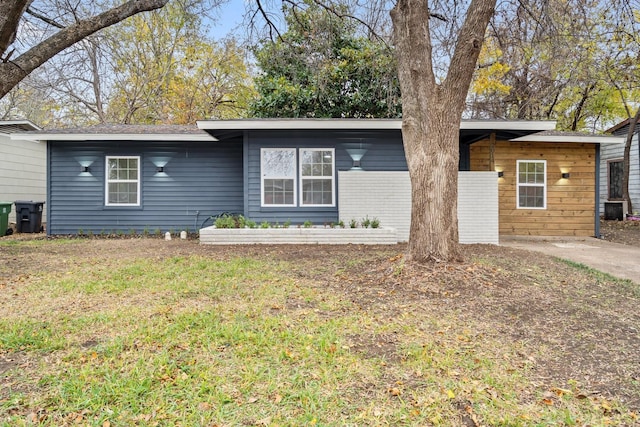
{"x": 363, "y": 124}
{"x": 25, "y": 125}
{"x": 582, "y": 139}
{"x": 41, "y": 136}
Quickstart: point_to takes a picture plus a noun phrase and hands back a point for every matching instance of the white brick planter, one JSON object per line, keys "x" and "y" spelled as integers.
{"x": 313, "y": 235}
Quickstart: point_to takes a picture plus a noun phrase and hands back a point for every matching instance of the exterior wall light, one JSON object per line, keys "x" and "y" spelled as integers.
{"x": 160, "y": 169}
{"x": 84, "y": 169}
{"x": 500, "y": 174}
{"x": 566, "y": 175}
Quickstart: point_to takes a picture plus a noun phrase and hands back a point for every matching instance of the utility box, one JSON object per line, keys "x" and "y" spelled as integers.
{"x": 28, "y": 216}
{"x": 5, "y": 210}
{"x": 615, "y": 210}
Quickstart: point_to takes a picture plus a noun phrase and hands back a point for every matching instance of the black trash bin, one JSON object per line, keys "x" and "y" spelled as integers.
{"x": 28, "y": 216}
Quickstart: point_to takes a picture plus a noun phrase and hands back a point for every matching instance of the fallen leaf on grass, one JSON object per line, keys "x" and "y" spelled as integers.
{"x": 204, "y": 406}
{"x": 394, "y": 391}
{"x": 560, "y": 391}
{"x": 264, "y": 422}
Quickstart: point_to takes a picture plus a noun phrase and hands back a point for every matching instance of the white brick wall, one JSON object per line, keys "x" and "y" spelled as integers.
{"x": 387, "y": 196}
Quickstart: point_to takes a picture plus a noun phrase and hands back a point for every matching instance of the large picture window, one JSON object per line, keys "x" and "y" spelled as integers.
{"x": 278, "y": 169}
{"x": 285, "y": 170}
{"x": 616, "y": 170}
{"x": 532, "y": 184}
{"x": 316, "y": 176}
{"x": 123, "y": 181}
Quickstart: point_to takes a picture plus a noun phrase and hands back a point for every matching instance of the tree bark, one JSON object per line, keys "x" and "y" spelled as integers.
{"x": 431, "y": 116}
{"x": 633, "y": 121}
{"x": 12, "y": 10}
{"x": 12, "y": 72}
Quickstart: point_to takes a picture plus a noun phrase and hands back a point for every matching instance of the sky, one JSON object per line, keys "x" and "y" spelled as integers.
{"x": 229, "y": 19}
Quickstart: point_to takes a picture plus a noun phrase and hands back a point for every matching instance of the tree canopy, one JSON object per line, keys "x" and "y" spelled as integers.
{"x": 321, "y": 67}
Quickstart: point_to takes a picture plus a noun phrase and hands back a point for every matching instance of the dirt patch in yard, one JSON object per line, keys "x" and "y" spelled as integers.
{"x": 574, "y": 327}
{"x": 624, "y": 232}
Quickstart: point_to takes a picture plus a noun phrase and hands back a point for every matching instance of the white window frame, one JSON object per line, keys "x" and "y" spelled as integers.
{"x": 263, "y": 177}
{"x": 332, "y": 177}
{"x": 525, "y": 184}
{"x": 115, "y": 181}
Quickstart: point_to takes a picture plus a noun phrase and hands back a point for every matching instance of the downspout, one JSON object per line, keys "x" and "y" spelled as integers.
{"x": 245, "y": 171}
{"x": 48, "y": 187}
{"x": 596, "y": 228}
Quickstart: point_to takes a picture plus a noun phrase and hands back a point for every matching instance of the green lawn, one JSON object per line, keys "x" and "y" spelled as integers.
{"x": 246, "y": 340}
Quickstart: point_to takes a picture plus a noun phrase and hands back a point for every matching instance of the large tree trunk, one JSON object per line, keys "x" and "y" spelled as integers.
{"x": 12, "y": 72}
{"x": 431, "y": 115}
{"x": 633, "y": 121}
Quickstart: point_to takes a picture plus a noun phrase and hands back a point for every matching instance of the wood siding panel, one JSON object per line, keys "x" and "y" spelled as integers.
{"x": 570, "y": 202}
{"x": 202, "y": 179}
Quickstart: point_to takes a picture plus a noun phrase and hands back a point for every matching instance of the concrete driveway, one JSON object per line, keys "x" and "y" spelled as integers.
{"x": 621, "y": 261}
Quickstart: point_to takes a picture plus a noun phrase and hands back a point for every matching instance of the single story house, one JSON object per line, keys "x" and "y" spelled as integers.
{"x": 513, "y": 180}
{"x": 612, "y": 169}
{"x": 23, "y": 171}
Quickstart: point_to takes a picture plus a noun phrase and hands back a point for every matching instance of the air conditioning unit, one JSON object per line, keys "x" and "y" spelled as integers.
{"x": 615, "y": 210}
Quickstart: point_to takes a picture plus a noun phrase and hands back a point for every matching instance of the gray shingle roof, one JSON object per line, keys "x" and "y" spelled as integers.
{"x": 116, "y": 129}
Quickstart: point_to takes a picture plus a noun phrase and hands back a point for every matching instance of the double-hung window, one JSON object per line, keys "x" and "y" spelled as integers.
{"x": 123, "y": 181}
{"x": 285, "y": 170}
{"x": 278, "y": 169}
{"x": 316, "y": 176}
{"x": 532, "y": 184}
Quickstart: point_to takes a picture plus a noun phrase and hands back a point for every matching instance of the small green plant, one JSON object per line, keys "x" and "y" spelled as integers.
{"x": 341, "y": 224}
{"x": 90, "y": 233}
{"x": 353, "y": 223}
{"x": 157, "y": 232}
{"x": 225, "y": 221}
{"x": 132, "y": 232}
{"x": 375, "y": 223}
{"x": 145, "y": 232}
{"x": 332, "y": 225}
{"x": 307, "y": 224}
{"x": 251, "y": 224}
{"x": 80, "y": 232}
{"x": 287, "y": 224}
{"x": 264, "y": 224}
{"x": 366, "y": 222}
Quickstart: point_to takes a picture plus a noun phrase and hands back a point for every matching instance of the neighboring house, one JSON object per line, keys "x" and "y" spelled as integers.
{"x": 23, "y": 173}
{"x": 124, "y": 178}
{"x": 612, "y": 169}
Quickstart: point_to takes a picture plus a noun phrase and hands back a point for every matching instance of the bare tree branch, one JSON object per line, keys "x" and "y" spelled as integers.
{"x": 31, "y": 11}
{"x": 12, "y": 72}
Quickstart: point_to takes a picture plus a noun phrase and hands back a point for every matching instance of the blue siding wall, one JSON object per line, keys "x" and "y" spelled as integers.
{"x": 201, "y": 179}
{"x": 386, "y": 153}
